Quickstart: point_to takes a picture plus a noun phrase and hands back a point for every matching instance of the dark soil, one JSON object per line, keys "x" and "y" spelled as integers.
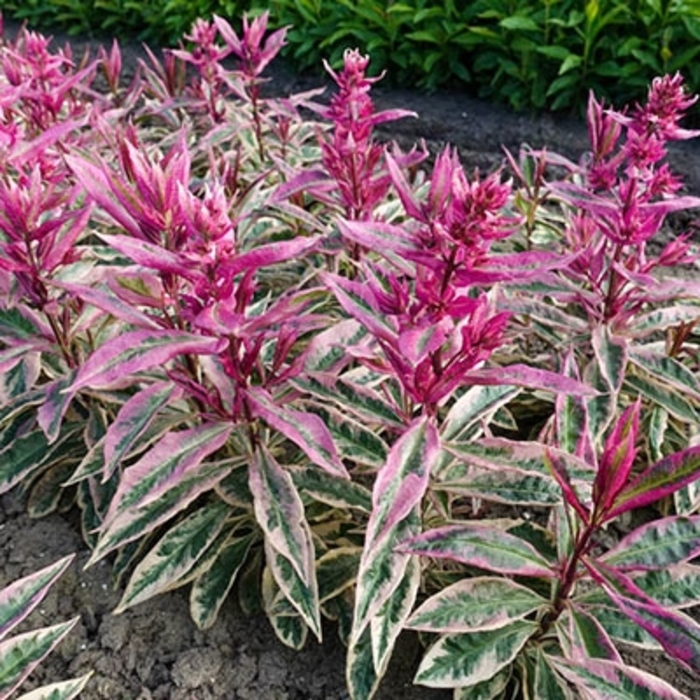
{"x": 154, "y": 652}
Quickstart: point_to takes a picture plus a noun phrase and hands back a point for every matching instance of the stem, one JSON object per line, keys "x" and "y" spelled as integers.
{"x": 568, "y": 579}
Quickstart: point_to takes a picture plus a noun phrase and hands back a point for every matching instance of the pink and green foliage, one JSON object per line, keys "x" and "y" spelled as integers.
{"x": 255, "y": 348}
{"x": 21, "y": 653}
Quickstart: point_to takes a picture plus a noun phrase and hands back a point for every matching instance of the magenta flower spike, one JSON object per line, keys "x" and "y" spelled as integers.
{"x": 249, "y": 48}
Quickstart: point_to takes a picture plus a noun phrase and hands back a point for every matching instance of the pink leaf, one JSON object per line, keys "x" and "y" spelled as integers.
{"x": 305, "y": 430}
{"x": 137, "y": 351}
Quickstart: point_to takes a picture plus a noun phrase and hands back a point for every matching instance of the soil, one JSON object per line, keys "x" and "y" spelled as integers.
{"x": 154, "y": 651}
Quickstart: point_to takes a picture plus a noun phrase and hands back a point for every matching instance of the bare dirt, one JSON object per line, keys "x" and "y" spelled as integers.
{"x": 155, "y": 652}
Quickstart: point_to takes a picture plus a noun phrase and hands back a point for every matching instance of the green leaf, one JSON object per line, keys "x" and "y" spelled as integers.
{"x": 457, "y": 660}
{"x": 175, "y": 554}
{"x": 476, "y": 604}
{"x": 211, "y": 587}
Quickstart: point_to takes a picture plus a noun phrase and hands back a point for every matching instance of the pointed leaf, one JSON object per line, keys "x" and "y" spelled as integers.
{"x": 611, "y": 354}
{"x": 337, "y": 493}
{"x": 63, "y": 690}
{"x": 379, "y": 236}
{"x": 475, "y": 605}
{"x": 659, "y": 480}
{"x": 582, "y": 637}
{"x": 677, "y": 633}
{"x": 403, "y": 480}
{"x": 133, "y": 419}
{"x": 305, "y": 430}
{"x": 659, "y": 394}
{"x": 667, "y": 370}
{"x": 609, "y": 680}
{"x": 175, "y": 554}
{"x": 280, "y": 514}
{"x": 482, "y": 545}
{"x": 164, "y": 481}
{"x": 136, "y": 351}
{"x": 478, "y": 403}
{"x": 211, "y": 587}
{"x": 532, "y": 378}
{"x": 657, "y": 545}
{"x": 21, "y": 654}
{"x": 19, "y": 598}
{"x": 457, "y": 660}
{"x": 386, "y": 625}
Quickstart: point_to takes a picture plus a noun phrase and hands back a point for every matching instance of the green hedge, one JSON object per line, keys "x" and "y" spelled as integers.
{"x": 545, "y": 54}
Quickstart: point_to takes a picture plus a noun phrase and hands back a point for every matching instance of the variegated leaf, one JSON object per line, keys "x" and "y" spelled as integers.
{"x": 302, "y": 597}
{"x": 336, "y": 571}
{"x": 163, "y": 482}
{"x": 477, "y": 404}
{"x": 175, "y": 554}
{"x": 63, "y": 690}
{"x": 457, "y": 660}
{"x": 21, "y": 654}
{"x": 305, "y": 430}
{"x": 389, "y": 620}
{"x": 280, "y": 514}
{"x": 338, "y": 493}
{"x": 483, "y": 545}
{"x": 667, "y": 370}
{"x": 136, "y": 351}
{"x": 608, "y": 680}
{"x": 543, "y": 681}
{"x": 528, "y": 457}
{"x": 361, "y": 675}
{"x": 611, "y": 355}
{"x": 492, "y": 689}
{"x": 505, "y": 486}
{"x": 28, "y": 453}
{"x": 402, "y": 481}
{"x": 210, "y": 588}
{"x": 354, "y": 440}
{"x": 659, "y": 480}
{"x": 657, "y": 393}
{"x": 357, "y": 399}
{"x": 19, "y": 598}
{"x": 620, "y": 628}
{"x": 133, "y": 419}
{"x": 475, "y": 605}
{"x": 672, "y": 586}
{"x": 288, "y": 625}
{"x": 657, "y": 545}
{"x": 582, "y": 637}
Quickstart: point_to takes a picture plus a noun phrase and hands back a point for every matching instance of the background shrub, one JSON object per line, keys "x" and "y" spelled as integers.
{"x": 546, "y": 54}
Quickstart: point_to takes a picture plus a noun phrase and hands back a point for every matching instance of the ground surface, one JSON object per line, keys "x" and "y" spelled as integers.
{"x": 154, "y": 652}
